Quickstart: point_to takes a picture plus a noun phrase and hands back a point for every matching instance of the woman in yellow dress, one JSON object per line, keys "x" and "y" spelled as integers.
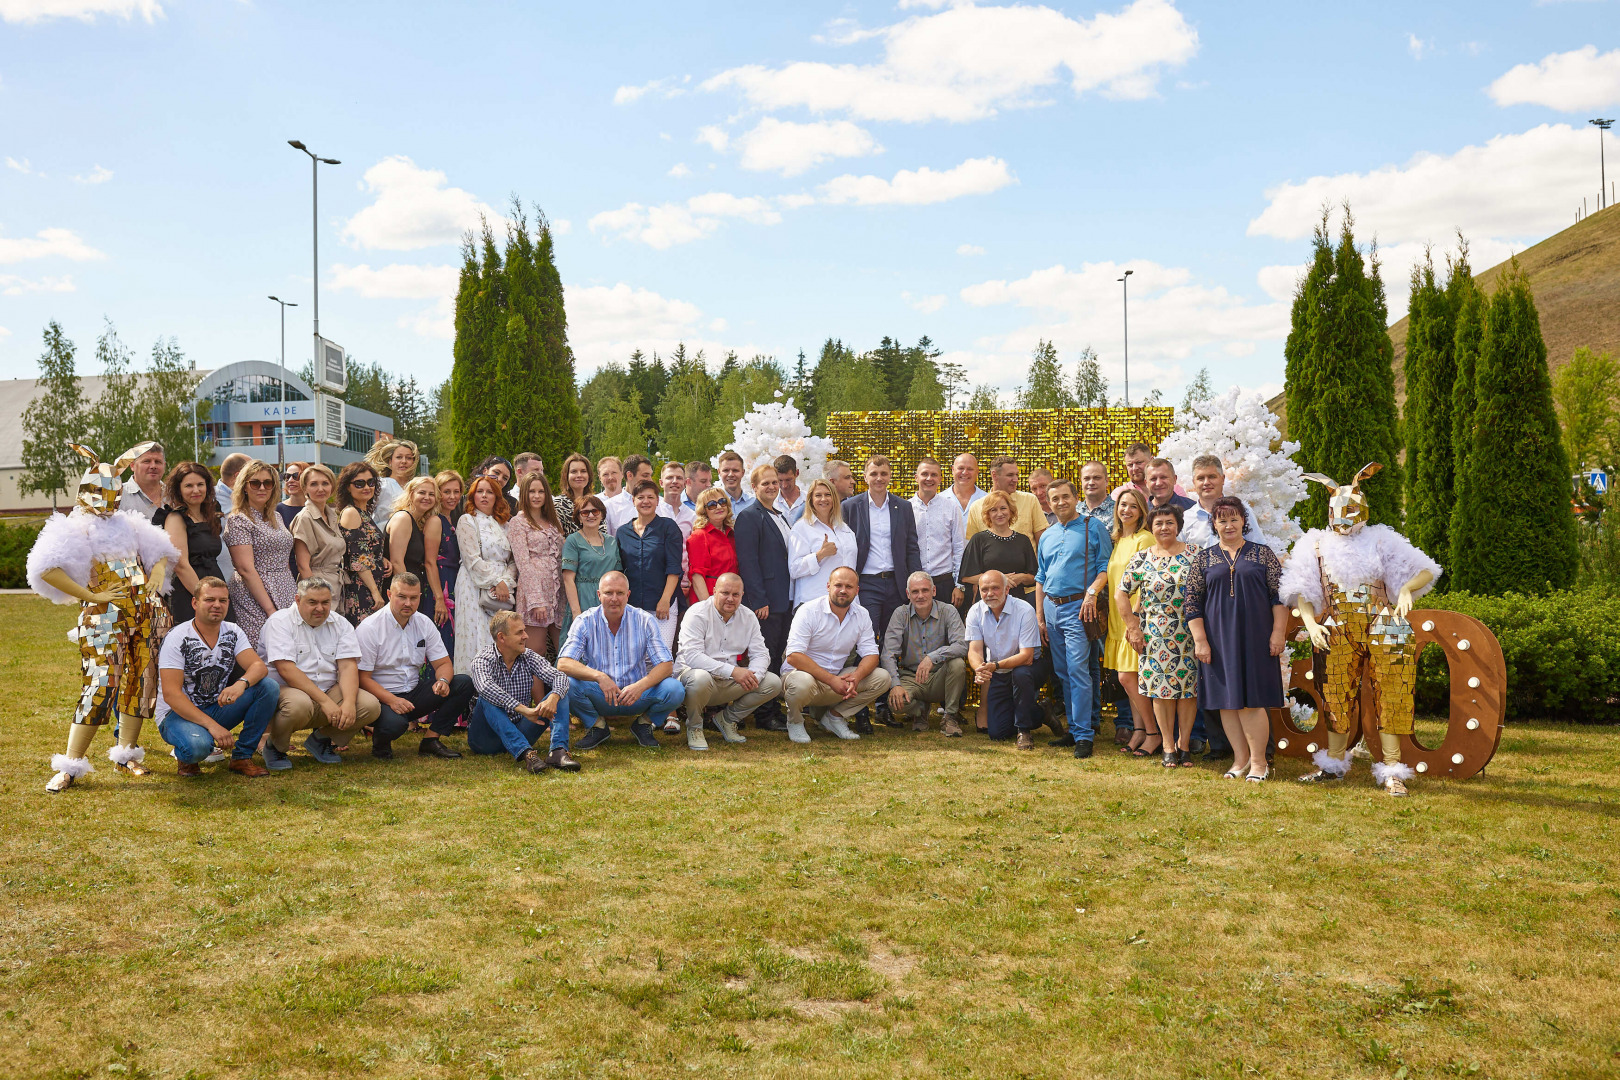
{"x": 1130, "y": 536}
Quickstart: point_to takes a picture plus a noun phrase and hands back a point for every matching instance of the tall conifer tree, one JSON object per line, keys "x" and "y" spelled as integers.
{"x": 1340, "y": 383}
{"x": 1515, "y": 510}
{"x": 534, "y": 370}
{"x": 1470, "y": 304}
{"x": 1430, "y": 374}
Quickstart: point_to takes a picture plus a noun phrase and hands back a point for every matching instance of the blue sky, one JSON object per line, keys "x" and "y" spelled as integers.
{"x": 740, "y": 177}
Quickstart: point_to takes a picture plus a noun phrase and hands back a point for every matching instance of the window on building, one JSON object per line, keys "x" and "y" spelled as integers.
{"x": 256, "y": 388}
{"x": 360, "y": 440}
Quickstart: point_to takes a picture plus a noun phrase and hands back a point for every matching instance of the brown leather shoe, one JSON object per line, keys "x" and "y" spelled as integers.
{"x": 247, "y": 767}
{"x": 188, "y": 768}
{"x": 1122, "y": 735}
{"x": 560, "y": 758}
{"x": 950, "y": 726}
{"x": 1026, "y": 741}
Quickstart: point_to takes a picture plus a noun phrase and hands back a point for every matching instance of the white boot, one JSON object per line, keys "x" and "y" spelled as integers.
{"x": 838, "y": 726}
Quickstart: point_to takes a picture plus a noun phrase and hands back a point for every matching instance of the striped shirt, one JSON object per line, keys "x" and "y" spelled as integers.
{"x": 510, "y": 687}
{"x": 625, "y": 657}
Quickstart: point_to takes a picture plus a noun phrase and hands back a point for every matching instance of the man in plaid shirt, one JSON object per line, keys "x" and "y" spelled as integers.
{"x": 508, "y": 677}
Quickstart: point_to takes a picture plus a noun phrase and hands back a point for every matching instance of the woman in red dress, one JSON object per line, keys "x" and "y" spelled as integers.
{"x": 711, "y": 550}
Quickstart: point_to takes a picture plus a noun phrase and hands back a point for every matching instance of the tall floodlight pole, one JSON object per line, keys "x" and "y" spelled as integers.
{"x": 1603, "y": 183}
{"x": 1126, "y": 294}
{"x": 315, "y": 163}
{"x": 281, "y": 433}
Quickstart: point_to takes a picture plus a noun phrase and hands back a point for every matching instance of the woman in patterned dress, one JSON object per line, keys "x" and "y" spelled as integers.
{"x": 1240, "y": 627}
{"x": 536, "y": 540}
{"x": 261, "y": 548}
{"x": 365, "y": 559}
{"x": 1167, "y": 670}
{"x": 576, "y": 484}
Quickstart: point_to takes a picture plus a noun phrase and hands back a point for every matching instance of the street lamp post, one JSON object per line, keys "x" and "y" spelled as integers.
{"x": 281, "y": 432}
{"x": 1126, "y": 294}
{"x": 1603, "y": 182}
{"x": 315, "y": 247}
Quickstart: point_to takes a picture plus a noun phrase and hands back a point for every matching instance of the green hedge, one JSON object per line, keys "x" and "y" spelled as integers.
{"x": 1562, "y": 652}
{"x": 15, "y": 543}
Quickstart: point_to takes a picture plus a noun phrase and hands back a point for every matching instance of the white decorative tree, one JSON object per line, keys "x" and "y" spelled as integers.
{"x": 768, "y": 431}
{"x": 1260, "y": 468}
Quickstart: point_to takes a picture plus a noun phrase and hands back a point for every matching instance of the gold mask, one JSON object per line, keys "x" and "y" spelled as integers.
{"x": 1347, "y": 503}
{"x": 102, "y": 482}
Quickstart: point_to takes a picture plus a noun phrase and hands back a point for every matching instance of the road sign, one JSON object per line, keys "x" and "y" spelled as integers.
{"x": 1599, "y": 481}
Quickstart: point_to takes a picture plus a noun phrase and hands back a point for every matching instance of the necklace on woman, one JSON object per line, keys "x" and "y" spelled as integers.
{"x": 1231, "y": 577}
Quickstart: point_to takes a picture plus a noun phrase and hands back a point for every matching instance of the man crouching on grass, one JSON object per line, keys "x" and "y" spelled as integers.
{"x": 196, "y": 709}
{"x": 508, "y": 675}
{"x": 395, "y": 644}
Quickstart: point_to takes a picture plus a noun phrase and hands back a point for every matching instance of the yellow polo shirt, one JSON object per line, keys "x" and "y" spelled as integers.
{"x": 1028, "y": 518}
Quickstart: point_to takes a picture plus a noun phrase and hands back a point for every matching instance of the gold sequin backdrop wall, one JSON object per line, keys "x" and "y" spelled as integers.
{"x": 1060, "y": 439}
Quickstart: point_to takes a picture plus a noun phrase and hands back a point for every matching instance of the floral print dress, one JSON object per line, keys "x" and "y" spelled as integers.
{"x": 537, "y": 554}
{"x": 364, "y": 549}
{"x": 272, "y": 548}
{"x": 1168, "y": 670}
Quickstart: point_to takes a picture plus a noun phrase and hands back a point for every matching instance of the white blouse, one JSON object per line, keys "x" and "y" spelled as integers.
{"x": 388, "y": 493}
{"x": 809, "y": 573}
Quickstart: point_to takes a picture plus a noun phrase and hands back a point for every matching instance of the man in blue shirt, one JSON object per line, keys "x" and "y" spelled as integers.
{"x": 1071, "y": 574}
{"x": 620, "y": 666}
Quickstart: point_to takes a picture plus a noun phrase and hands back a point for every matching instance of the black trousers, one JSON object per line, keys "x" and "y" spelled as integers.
{"x": 442, "y": 711}
{"x": 944, "y": 585}
{"x": 880, "y": 596}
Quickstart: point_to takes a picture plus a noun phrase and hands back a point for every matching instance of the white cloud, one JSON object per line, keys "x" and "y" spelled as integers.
{"x": 1513, "y": 186}
{"x": 97, "y": 175}
{"x": 969, "y": 249}
{"x": 413, "y": 208}
{"x": 975, "y": 176}
{"x": 47, "y": 244}
{"x": 561, "y": 226}
{"x": 1172, "y": 319}
{"x": 29, "y": 11}
{"x": 967, "y": 62}
{"x": 845, "y": 32}
{"x": 1279, "y": 282}
{"x": 1417, "y": 46}
{"x": 12, "y": 285}
{"x": 402, "y": 281}
{"x": 925, "y": 304}
{"x": 666, "y": 88}
{"x": 24, "y": 166}
{"x": 4, "y": 333}
{"x": 668, "y": 224}
{"x": 714, "y": 137}
{"x": 679, "y": 170}
{"x": 1568, "y": 82}
{"x": 608, "y": 322}
{"x": 789, "y": 148}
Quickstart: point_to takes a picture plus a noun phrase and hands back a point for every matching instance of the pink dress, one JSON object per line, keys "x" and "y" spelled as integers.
{"x": 537, "y": 554}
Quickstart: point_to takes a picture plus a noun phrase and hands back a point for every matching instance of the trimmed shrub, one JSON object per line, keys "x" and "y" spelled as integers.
{"x": 1562, "y": 652}
{"x": 16, "y": 541}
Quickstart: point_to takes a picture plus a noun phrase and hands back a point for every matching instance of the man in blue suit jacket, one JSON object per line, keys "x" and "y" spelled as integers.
{"x": 761, "y": 535}
{"x": 886, "y": 551}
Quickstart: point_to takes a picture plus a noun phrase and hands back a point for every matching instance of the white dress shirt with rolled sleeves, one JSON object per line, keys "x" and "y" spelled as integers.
{"x": 941, "y": 534}
{"x": 712, "y": 643}
{"x": 827, "y": 639}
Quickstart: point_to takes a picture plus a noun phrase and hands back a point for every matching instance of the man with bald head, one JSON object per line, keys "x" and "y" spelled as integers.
{"x": 965, "y": 482}
{"x": 925, "y": 653}
{"x": 620, "y": 666}
{"x": 1004, "y": 641}
{"x": 816, "y": 672}
{"x": 714, "y": 634}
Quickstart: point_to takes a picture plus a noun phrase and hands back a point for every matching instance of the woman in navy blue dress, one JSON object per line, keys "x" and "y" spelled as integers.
{"x": 1239, "y": 626}
{"x": 650, "y": 547}
{"x": 450, "y": 486}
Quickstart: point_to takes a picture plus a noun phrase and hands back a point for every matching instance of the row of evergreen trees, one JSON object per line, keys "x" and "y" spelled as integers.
{"x": 512, "y": 386}
{"x": 1486, "y": 480}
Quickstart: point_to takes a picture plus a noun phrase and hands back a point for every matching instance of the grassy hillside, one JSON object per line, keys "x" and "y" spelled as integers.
{"x": 1575, "y": 276}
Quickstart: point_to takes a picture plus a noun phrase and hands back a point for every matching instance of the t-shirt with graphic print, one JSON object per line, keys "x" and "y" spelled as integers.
{"x": 204, "y": 671}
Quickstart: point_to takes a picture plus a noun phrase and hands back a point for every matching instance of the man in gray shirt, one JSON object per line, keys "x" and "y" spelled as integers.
{"x": 925, "y": 653}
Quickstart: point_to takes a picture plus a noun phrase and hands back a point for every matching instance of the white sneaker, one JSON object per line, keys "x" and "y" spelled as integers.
{"x": 836, "y": 724}
{"x": 694, "y": 735}
{"x": 796, "y": 731}
{"x": 217, "y": 756}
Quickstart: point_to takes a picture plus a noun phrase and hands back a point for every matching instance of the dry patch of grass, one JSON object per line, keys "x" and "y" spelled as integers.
{"x": 903, "y": 906}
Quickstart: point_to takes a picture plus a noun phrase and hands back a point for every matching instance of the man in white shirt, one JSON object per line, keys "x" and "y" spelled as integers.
{"x": 196, "y": 709}
{"x": 965, "y": 482}
{"x": 522, "y": 465}
{"x": 814, "y": 672}
{"x": 731, "y": 477}
{"x": 1209, "y": 481}
{"x": 395, "y": 643}
{"x": 940, "y": 533}
{"x": 143, "y": 491}
{"x": 789, "y": 496}
{"x": 229, "y": 470}
{"x": 673, "y": 505}
{"x": 621, "y": 508}
{"x": 714, "y": 634}
{"x": 610, "y": 473}
{"x": 316, "y": 658}
{"x": 1003, "y": 642}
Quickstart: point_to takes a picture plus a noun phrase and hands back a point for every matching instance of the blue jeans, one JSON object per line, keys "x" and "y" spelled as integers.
{"x": 585, "y": 701}
{"x": 252, "y": 710}
{"x": 1072, "y": 664}
{"x": 493, "y": 730}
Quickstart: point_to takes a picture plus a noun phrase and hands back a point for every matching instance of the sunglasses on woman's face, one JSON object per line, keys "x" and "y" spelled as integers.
{"x": 261, "y": 483}
{"x": 289, "y": 476}
{"x": 363, "y": 483}
{"x": 590, "y": 512}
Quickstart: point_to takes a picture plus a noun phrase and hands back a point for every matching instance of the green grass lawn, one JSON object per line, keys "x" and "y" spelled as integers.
{"x": 901, "y": 906}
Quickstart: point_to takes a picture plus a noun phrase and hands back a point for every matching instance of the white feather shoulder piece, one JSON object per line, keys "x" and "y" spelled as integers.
{"x": 73, "y": 542}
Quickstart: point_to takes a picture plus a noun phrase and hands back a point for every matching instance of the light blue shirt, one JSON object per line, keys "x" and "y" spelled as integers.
{"x": 879, "y": 550}
{"x": 1198, "y": 529}
{"x": 791, "y": 510}
{"x": 741, "y": 501}
{"x": 624, "y": 657}
{"x": 1062, "y": 568}
{"x": 1013, "y": 631}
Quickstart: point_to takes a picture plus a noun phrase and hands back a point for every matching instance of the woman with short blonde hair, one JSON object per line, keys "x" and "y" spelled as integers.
{"x": 711, "y": 550}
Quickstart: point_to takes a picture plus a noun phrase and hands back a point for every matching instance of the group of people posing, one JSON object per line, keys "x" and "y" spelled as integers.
{"x": 375, "y": 599}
